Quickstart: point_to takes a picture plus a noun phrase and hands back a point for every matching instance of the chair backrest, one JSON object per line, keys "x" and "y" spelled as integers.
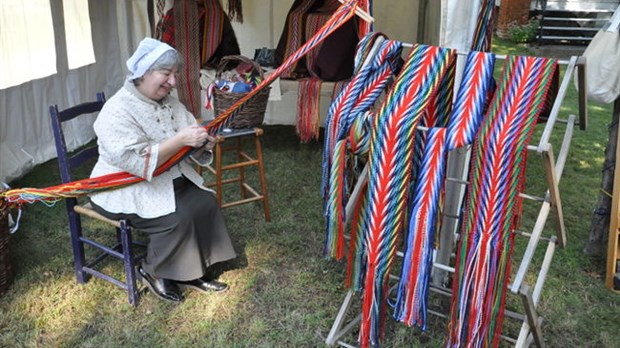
{"x": 66, "y": 161}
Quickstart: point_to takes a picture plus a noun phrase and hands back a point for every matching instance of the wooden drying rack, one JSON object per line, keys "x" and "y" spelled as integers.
{"x": 550, "y": 203}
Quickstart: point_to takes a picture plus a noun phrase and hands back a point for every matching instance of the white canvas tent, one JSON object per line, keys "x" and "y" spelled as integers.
{"x": 26, "y": 137}
{"x": 117, "y": 26}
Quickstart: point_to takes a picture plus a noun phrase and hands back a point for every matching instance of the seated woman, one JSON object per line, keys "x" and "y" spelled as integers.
{"x": 138, "y": 129}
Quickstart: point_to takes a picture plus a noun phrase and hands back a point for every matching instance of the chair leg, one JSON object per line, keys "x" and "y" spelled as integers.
{"x": 218, "y": 173}
{"x": 129, "y": 263}
{"x": 263, "y": 180}
{"x": 79, "y": 260}
{"x": 240, "y": 158}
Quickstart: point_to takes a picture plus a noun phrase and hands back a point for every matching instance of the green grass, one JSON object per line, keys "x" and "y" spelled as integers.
{"x": 283, "y": 292}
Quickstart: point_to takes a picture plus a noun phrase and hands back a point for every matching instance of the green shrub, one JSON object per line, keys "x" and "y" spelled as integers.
{"x": 522, "y": 33}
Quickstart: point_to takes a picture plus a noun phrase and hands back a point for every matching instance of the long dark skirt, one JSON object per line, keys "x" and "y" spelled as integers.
{"x": 184, "y": 243}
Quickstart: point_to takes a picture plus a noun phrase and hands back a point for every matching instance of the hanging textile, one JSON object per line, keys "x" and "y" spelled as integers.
{"x": 338, "y": 87}
{"x": 308, "y": 117}
{"x": 212, "y": 29}
{"x": 186, "y": 42}
{"x": 391, "y": 147}
{"x": 330, "y": 61}
{"x": 203, "y": 36}
{"x": 476, "y": 88}
{"x": 365, "y": 27}
{"x": 313, "y": 22}
{"x": 476, "y": 85}
{"x": 293, "y": 35}
{"x": 334, "y": 58}
{"x": 160, "y": 5}
{"x": 412, "y": 296}
{"x": 308, "y": 109}
{"x": 435, "y": 115}
{"x": 215, "y": 33}
{"x": 493, "y": 205}
{"x": 485, "y": 24}
{"x": 115, "y": 180}
{"x": 235, "y": 10}
{"x": 373, "y": 58}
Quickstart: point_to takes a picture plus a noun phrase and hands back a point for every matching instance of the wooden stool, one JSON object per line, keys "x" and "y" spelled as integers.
{"x": 248, "y": 194}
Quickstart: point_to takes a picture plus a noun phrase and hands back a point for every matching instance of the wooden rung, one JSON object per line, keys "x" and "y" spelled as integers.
{"x": 239, "y": 165}
{"x": 87, "y": 210}
{"x": 225, "y": 181}
{"x": 241, "y": 201}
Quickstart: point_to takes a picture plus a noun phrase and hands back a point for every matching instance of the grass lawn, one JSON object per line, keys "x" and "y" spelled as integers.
{"x": 284, "y": 293}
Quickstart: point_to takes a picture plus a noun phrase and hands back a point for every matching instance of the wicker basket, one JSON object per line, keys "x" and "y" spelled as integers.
{"x": 6, "y": 274}
{"x": 252, "y": 113}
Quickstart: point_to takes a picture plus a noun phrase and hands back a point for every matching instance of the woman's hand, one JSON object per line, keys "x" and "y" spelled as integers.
{"x": 194, "y": 136}
{"x": 210, "y": 143}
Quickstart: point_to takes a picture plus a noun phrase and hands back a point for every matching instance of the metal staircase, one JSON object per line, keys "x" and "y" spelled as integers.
{"x": 573, "y": 22}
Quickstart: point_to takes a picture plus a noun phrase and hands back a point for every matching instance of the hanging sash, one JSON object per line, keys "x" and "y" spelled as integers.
{"x": 373, "y": 59}
{"x": 308, "y": 109}
{"x": 186, "y": 41}
{"x": 493, "y": 205}
{"x": 485, "y": 23}
{"x": 476, "y": 84}
{"x": 390, "y": 160}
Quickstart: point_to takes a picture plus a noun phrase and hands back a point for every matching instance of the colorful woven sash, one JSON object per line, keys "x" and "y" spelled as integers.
{"x": 338, "y": 87}
{"x": 213, "y": 29}
{"x": 308, "y": 109}
{"x": 412, "y": 297}
{"x": 390, "y": 161}
{"x": 485, "y": 24}
{"x": 314, "y": 21}
{"x": 435, "y": 115}
{"x": 186, "y": 41}
{"x": 372, "y": 75}
{"x": 474, "y": 91}
{"x": 295, "y": 32}
{"x": 365, "y": 28}
{"x": 493, "y": 205}
{"x": 302, "y": 21}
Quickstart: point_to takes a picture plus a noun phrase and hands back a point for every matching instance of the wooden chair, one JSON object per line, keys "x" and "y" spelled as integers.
{"x": 243, "y": 160}
{"x": 123, "y": 249}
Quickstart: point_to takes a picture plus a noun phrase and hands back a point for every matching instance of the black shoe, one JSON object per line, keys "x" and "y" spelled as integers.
{"x": 165, "y": 289}
{"x": 204, "y": 285}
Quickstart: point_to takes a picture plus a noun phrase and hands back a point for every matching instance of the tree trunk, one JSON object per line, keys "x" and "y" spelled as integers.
{"x": 599, "y": 230}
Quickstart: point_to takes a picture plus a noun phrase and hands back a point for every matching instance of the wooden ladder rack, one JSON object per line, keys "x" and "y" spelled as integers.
{"x": 550, "y": 203}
